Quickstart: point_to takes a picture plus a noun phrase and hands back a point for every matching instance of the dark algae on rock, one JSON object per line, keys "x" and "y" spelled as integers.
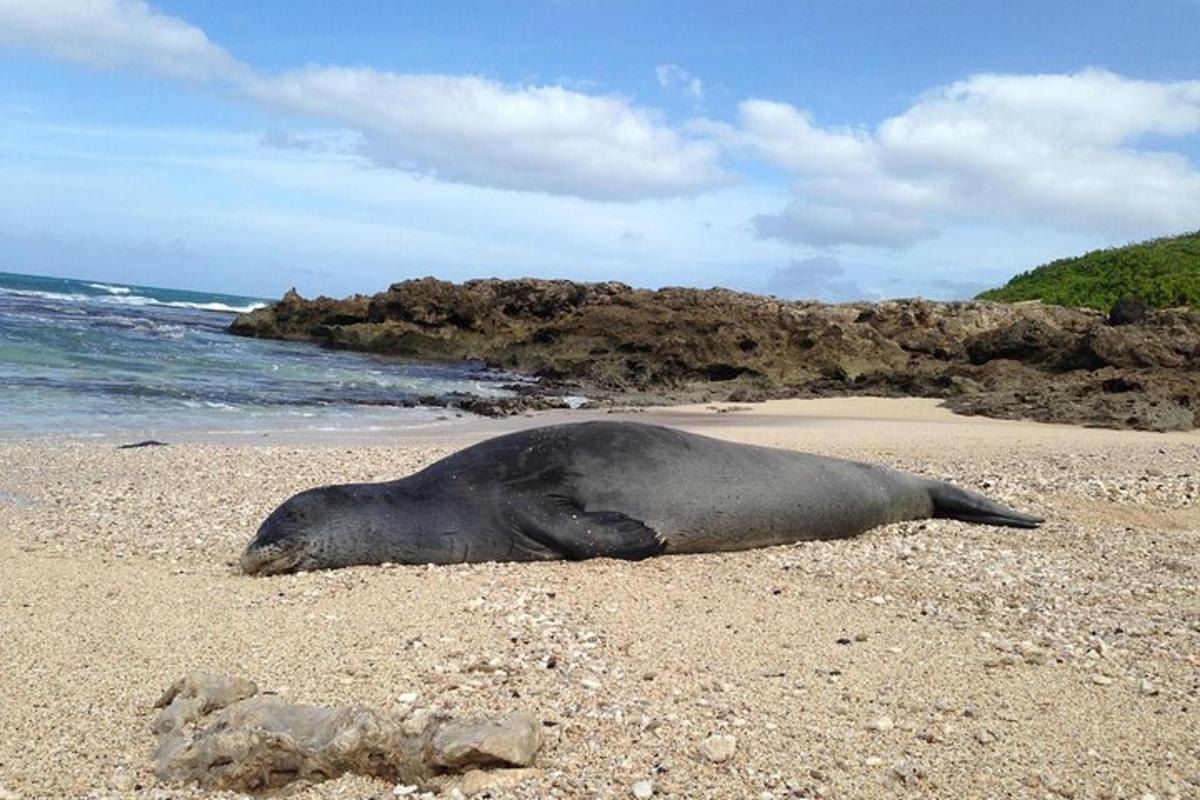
{"x": 614, "y": 342}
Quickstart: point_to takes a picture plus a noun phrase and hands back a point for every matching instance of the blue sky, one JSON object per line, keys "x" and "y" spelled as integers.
{"x": 839, "y": 150}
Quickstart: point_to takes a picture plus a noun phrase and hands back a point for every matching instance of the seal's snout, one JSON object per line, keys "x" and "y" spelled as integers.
{"x": 271, "y": 559}
{"x": 277, "y": 547}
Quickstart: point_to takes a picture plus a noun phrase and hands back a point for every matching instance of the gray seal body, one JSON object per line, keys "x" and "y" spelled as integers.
{"x": 601, "y": 489}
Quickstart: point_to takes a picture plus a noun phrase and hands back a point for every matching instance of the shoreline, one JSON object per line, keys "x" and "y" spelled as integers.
{"x": 926, "y": 414}
{"x": 979, "y": 645}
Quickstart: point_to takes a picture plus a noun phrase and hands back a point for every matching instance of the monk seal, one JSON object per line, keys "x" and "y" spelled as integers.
{"x": 601, "y": 489}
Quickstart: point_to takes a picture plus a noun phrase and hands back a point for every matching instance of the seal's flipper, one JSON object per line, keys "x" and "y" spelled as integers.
{"x": 951, "y": 502}
{"x": 562, "y": 525}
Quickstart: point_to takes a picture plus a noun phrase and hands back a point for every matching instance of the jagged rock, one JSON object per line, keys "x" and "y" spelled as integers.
{"x": 510, "y": 741}
{"x": 220, "y": 733}
{"x": 1165, "y": 341}
{"x": 197, "y": 694}
{"x": 1020, "y": 360}
{"x": 1128, "y": 310}
{"x": 1032, "y": 341}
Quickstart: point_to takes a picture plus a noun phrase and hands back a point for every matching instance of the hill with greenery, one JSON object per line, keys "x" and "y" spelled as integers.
{"x": 1161, "y": 272}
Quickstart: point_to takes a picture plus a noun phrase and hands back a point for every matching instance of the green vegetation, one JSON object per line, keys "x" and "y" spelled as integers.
{"x": 1162, "y": 272}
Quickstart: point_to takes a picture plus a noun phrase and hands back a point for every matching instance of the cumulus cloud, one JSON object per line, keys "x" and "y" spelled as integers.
{"x": 1056, "y": 150}
{"x": 819, "y": 278}
{"x": 477, "y": 131}
{"x": 115, "y": 34}
{"x": 1079, "y": 152}
{"x": 458, "y": 128}
{"x": 673, "y": 76}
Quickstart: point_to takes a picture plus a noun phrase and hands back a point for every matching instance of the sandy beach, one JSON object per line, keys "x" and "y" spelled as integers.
{"x": 924, "y": 659}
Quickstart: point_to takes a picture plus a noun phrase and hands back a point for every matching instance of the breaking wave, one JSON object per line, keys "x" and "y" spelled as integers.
{"x": 126, "y": 298}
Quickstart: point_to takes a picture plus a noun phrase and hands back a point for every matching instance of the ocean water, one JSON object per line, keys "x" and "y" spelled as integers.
{"x": 89, "y": 358}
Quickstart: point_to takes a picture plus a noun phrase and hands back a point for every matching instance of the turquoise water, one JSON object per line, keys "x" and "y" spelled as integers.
{"x": 84, "y": 357}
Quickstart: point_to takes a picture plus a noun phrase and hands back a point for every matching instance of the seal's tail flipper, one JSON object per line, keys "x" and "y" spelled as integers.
{"x": 951, "y": 502}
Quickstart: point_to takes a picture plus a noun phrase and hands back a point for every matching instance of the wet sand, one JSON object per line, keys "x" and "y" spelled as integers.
{"x": 924, "y": 659}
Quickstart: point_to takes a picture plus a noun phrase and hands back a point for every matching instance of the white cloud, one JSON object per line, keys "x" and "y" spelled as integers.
{"x": 480, "y": 132}
{"x": 1058, "y": 151}
{"x": 1065, "y": 153}
{"x": 115, "y": 34}
{"x": 457, "y": 128}
{"x": 831, "y": 224}
{"x": 671, "y": 76}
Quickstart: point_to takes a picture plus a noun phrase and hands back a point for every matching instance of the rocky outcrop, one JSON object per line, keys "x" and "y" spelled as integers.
{"x": 221, "y": 733}
{"x": 1025, "y": 360}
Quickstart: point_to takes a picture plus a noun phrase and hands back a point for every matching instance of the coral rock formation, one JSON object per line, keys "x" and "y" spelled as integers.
{"x": 222, "y": 734}
{"x": 1048, "y": 363}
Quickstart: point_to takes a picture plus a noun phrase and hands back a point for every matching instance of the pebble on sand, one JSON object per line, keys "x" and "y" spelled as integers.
{"x": 719, "y": 748}
{"x": 985, "y": 736}
{"x": 642, "y": 790}
{"x": 479, "y": 781}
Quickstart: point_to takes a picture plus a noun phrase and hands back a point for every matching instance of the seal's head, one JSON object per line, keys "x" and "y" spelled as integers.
{"x": 316, "y": 529}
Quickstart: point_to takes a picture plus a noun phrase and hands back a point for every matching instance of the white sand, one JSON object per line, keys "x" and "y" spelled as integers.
{"x": 1062, "y": 662}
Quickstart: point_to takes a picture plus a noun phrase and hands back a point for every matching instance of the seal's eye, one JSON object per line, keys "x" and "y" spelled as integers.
{"x": 283, "y": 522}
